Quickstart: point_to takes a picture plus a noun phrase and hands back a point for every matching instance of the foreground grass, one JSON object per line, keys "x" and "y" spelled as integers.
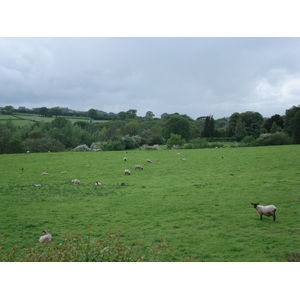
{"x": 200, "y": 206}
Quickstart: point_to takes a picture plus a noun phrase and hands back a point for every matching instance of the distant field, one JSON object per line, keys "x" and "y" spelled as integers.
{"x": 24, "y": 119}
{"x": 201, "y": 205}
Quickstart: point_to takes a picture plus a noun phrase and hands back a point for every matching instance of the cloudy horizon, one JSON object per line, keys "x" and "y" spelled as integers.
{"x": 192, "y": 76}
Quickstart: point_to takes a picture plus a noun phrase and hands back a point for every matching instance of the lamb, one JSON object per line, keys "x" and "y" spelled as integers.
{"x": 97, "y": 183}
{"x": 125, "y": 158}
{"x": 76, "y": 181}
{"x": 265, "y": 210}
{"x": 138, "y": 167}
{"x": 127, "y": 172}
{"x": 148, "y": 161}
{"x": 47, "y": 237}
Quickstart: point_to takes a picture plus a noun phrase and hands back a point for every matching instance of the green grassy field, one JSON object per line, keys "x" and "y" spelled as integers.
{"x": 24, "y": 119}
{"x": 201, "y": 205}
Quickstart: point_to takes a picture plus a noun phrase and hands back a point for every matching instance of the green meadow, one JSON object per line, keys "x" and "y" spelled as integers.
{"x": 200, "y": 205}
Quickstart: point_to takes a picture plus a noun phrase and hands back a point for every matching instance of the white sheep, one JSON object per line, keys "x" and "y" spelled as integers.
{"x": 138, "y": 167}
{"x": 268, "y": 210}
{"x": 97, "y": 183}
{"x": 148, "y": 161}
{"x": 125, "y": 158}
{"x": 127, "y": 172}
{"x": 37, "y": 185}
{"x": 64, "y": 172}
{"x": 45, "y": 173}
{"x": 47, "y": 237}
{"x": 183, "y": 158}
{"x": 76, "y": 181}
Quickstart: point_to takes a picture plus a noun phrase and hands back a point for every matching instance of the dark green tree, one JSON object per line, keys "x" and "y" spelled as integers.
{"x": 275, "y": 118}
{"x": 177, "y": 125}
{"x": 240, "y": 130}
{"x": 209, "y": 127}
{"x": 55, "y": 111}
{"x": 43, "y": 111}
{"x": 253, "y": 122}
{"x": 292, "y": 123}
{"x": 232, "y": 124}
{"x": 92, "y": 113}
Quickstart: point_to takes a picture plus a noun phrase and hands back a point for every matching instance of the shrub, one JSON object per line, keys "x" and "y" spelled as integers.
{"x": 131, "y": 142}
{"x": 278, "y": 138}
{"x": 81, "y": 148}
{"x": 112, "y": 146}
{"x": 175, "y": 140}
{"x": 43, "y": 145}
{"x": 199, "y": 143}
{"x": 247, "y": 141}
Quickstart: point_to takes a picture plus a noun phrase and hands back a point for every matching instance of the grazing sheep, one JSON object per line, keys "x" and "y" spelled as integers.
{"x": 265, "y": 210}
{"x": 47, "y": 237}
{"x": 178, "y": 153}
{"x": 45, "y": 173}
{"x": 76, "y": 181}
{"x": 125, "y": 158}
{"x": 64, "y": 172}
{"x": 148, "y": 161}
{"x": 127, "y": 172}
{"x": 37, "y": 185}
{"x": 28, "y": 151}
{"x": 138, "y": 167}
{"x": 87, "y": 165}
{"x": 97, "y": 183}
{"x": 183, "y": 158}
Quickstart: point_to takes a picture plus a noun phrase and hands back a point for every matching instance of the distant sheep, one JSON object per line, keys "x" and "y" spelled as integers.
{"x": 138, "y": 167}
{"x": 127, "y": 172}
{"x": 37, "y": 185}
{"x": 76, "y": 181}
{"x": 125, "y": 158}
{"x": 148, "y": 161}
{"x": 64, "y": 172}
{"x": 183, "y": 158}
{"x": 45, "y": 173}
{"x": 87, "y": 165}
{"x": 47, "y": 237}
{"x": 265, "y": 210}
{"x": 97, "y": 183}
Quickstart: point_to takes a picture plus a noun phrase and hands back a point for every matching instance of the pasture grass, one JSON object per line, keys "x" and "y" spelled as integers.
{"x": 201, "y": 206}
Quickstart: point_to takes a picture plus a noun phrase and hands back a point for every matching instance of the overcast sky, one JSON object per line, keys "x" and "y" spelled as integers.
{"x": 193, "y": 76}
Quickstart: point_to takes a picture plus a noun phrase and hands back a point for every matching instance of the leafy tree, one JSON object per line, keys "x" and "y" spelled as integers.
{"x": 43, "y": 111}
{"x": 177, "y": 125}
{"x": 8, "y": 109}
{"x": 292, "y": 123}
{"x": 240, "y": 130}
{"x": 131, "y": 128}
{"x": 149, "y": 115}
{"x": 60, "y": 122}
{"x": 209, "y": 127}
{"x": 232, "y": 124}
{"x": 55, "y": 111}
{"x": 275, "y": 118}
{"x": 274, "y": 128}
{"x": 92, "y": 113}
{"x": 253, "y": 122}
{"x": 175, "y": 139}
{"x": 37, "y": 134}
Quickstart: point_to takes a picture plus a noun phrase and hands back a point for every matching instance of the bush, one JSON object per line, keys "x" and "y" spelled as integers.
{"x": 247, "y": 141}
{"x": 112, "y": 146}
{"x": 278, "y": 138}
{"x": 199, "y": 143}
{"x": 43, "y": 145}
{"x": 81, "y": 148}
{"x": 76, "y": 248}
{"x": 131, "y": 142}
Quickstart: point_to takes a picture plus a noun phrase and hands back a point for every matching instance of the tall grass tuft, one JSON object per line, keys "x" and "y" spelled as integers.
{"x": 77, "y": 248}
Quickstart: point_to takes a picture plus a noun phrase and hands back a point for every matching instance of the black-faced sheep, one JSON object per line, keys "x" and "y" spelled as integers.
{"x": 127, "y": 172}
{"x": 125, "y": 158}
{"x": 47, "y": 237}
{"x": 97, "y": 183}
{"x": 138, "y": 167}
{"x": 265, "y": 210}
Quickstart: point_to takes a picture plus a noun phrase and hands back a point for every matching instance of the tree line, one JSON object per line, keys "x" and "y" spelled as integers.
{"x": 126, "y": 130}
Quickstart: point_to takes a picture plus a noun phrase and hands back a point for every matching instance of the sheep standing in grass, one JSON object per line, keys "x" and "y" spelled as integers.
{"x": 45, "y": 173}
{"x": 265, "y": 210}
{"x": 125, "y": 158}
{"x": 148, "y": 161}
{"x": 97, "y": 183}
{"x": 76, "y": 181}
{"x": 47, "y": 237}
{"x": 138, "y": 167}
{"x": 127, "y": 172}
